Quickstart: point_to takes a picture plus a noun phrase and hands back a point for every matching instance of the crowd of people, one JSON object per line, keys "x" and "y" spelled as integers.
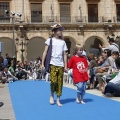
{"x": 99, "y": 68}
{"x": 103, "y": 68}
{"x": 12, "y": 70}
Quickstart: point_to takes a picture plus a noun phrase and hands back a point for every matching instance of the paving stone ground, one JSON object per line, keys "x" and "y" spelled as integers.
{"x": 6, "y": 111}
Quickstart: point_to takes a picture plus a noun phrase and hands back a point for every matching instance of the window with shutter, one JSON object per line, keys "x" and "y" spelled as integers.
{"x": 4, "y": 6}
{"x": 65, "y": 12}
{"x": 117, "y": 0}
{"x": 36, "y": 12}
{"x": 118, "y": 12}
{"x": 92, "y": 12}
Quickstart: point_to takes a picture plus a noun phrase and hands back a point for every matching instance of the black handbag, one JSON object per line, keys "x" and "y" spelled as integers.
{"x": 48, "y": 56}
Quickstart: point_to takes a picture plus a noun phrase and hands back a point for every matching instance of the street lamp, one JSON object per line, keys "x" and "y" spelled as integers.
{"x": 23, "y": 42}
{"x": 13, "y": 27}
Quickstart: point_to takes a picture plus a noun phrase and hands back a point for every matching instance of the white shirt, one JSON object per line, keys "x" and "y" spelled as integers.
{"x": 113, "y": 47}
{"x": 116, "y": 80}
{"x": 32, "y": 75}
{"x": 58, "y": 46}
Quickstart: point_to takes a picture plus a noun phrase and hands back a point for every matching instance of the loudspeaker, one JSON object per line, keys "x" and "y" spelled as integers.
{"x": 1, "y": 46}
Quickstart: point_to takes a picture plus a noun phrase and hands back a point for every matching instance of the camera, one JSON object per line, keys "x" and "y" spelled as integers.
{"x": 13, "y": 13}
{"x": 19, "y": 14}
{"x": 6, "y": 12}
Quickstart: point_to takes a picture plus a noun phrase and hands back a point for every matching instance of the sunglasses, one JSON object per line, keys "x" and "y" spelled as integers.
{"x": 105, "y": 52}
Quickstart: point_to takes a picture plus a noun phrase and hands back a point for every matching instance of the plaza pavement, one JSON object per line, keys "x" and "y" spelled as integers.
{"x": 6, "y": 111}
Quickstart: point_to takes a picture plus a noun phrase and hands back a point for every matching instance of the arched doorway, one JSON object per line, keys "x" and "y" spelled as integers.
{"x": 93, "y": 41}
{"x": 35, "y": 48}
{"x": 8, "y": 47}
{"x": 70, "y": 45}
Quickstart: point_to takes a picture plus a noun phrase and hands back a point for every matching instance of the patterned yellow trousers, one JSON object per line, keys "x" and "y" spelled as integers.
{"x": 56, "y": 78}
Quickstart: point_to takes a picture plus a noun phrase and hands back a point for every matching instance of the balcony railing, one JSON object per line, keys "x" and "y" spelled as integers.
{"x": 71, "y": 19}
{"x": 4, "y": 19}
{"x": 49, "y": 19}
{"x": 63, "y": 20}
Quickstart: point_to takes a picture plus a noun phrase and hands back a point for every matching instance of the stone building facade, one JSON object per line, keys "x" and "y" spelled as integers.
{"x": 86, "y": 22}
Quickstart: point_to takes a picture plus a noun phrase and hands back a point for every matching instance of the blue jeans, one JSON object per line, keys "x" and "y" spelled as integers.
{"x": 81, "y": 88}
{"x": 112, "y": 88}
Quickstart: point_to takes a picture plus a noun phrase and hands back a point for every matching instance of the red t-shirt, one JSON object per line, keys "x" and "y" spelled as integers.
{"x": 79, "y": 66}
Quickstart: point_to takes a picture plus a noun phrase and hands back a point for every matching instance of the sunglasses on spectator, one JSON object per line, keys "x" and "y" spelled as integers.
{"x": 105, "y": 52}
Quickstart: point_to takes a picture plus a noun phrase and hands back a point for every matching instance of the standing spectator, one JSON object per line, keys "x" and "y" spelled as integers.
{"x": 92, "y": 64}
{"x": 8, "y": 59}
{"x": 37, "y": 68}
{"x": 5, "y": 62}
{"x": 14, "y": 62}
{"x": 112, "y": 47}
{"x": 95, "y": 51}
{"x": 1, "y": 63}
{"x": 58, "y": 62}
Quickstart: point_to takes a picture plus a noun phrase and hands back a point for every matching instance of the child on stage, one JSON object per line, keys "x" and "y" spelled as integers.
{"x": 79, "y": 64}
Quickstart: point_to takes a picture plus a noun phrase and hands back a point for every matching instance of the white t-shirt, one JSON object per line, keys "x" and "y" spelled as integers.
{"x": 58, "y": 46}
{"x": 113, "y": 47}
{"x": 116, "y": 80}
{"x": 32, "y": 75}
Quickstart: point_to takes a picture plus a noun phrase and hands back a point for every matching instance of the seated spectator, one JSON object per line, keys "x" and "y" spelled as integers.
{"x": 26, "y": 67}
{"x": 100, "y": 60}
{"x": 31, "y": 74}
{"x": 112, "y": 70}
{"x": 111, "y": 59}
{"x": 7, "y": 76}
{"x": 103, "y": 69}
{"x": 113, "y": 87}
{"x": 20, "y": 74}
{"x": 11, "y": 69}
